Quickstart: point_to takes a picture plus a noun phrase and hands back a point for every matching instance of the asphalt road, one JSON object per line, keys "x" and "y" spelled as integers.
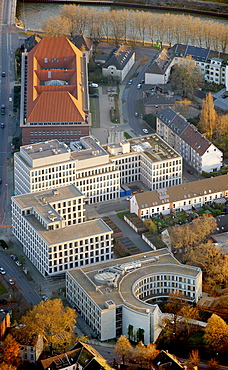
{"x": 20, "y": 281}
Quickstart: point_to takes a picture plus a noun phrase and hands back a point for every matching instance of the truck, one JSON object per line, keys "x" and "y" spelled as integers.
{"x": 3, "y": 109}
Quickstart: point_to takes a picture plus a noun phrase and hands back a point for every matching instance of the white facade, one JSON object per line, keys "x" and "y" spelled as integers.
{"x": 113, "y": 297}
{"x": 199, "y": 152}
{"x": 119, "y": 63}
{"x": 181, "y": 197}
{"x": 96, "y": 171}
{"x": 52, "y": 229}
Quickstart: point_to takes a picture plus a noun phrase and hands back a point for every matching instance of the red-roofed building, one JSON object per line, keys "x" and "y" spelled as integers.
{"x": 54, "y": 94}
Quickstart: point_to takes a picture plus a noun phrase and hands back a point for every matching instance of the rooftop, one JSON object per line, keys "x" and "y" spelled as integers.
{"x": 180, "y": 192}
{"x": 113, "y": 280}
{"x": 119, "y": 57}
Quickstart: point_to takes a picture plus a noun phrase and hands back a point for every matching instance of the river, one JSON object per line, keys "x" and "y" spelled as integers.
{"x": 34, "y": 14}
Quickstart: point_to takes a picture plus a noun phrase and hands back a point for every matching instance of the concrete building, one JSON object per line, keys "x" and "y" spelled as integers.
{"x": 54, "y": 92}
{"x": 148, "y": 159}
{"x": 198, "y": 151}
{"x": 119, "y": 63}
{"x": 52, "y": 164}
{"x": 95, "y": 170}
{"x": 181, "y": 197}
{"x": 116, "y": 297}
{"x": 53, "y": 232}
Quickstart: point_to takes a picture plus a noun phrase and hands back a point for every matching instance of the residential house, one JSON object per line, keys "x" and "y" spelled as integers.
{"x": 182, "y": 197}
{"x": 54, "y": 92}
{"x": 160, "y": 68}
{"x": 85, "y": 45}
{"x": 167, "y": 361}
{"x": 30, "y": 349}
{"x": 116, "y": 295}
{"x": 198, "y": 151}
{"x": 156, "y": 103}
{"x": 119, "y": 63}
{"x": 82, "y": 356}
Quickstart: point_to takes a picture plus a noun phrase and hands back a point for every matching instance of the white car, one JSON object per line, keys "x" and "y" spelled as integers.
{"x": 18, "y": 263}
{"x": 93, "y": 85}
{"x": 11, "y": 282}
{"x": 145, "y": 130}
{"x": 45, "y": 298}
{"x": 2, "y": 271}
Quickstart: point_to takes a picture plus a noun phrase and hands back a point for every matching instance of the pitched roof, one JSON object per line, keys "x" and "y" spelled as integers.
{"x": 160, "y": 63}
{"x": 183, "y": 191}
{"x": 158, "y": 99}
{"x": 119, "y": 57}
{"x": 56, "y": 106}
{"x": 82, "y": 41}
{"x": 181, "y": 127}
{"x": 61, "y": 361}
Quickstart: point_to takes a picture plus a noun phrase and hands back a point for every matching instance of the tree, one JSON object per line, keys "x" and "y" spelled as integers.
{"x": 208, "y": 117}
{"x": 186, "y": 77}
{"x": 123, "y": 348}
{"x": 216, "y": 333}
{"x": 53, "y": 321}
{"x": 56, "y": 27}
{"x": 151, "y": 226}
{"x": 194, "y": 357}
{"x": 5, "y": 366}
{"x": 10, "y": 349}
{"x": 213, "y": 364}
{"x": 151, "y": 352}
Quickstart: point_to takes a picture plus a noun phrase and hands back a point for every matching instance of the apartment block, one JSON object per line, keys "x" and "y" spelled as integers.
{"x": 181, "y": 197}
{"x": 120, "y": 295}
{"x": 197, "y": 150}
{"x": 53, "y": 232}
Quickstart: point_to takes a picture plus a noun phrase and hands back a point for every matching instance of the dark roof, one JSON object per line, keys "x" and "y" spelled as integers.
{"x": 31, "y": 41}
{"x": 161, "y": 62}
{"x": 169, "y": 362}
{"x": 61, "y": 361}
{"x": 197, "y": 53}
{"x": 119, "y": 57}
{"x": 158, "y": 99}
{"x": 196, "y": 140}
{"x": 81, "y": 42}
{"x": 181, "y": 127}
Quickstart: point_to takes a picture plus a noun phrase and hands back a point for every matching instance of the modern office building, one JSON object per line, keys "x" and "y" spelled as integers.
{"x": 116, "y": 297}
{"x": 97, "y": 171}
{"x": 54, "y": 92}
{"x": 53, "y": 232}
{"x": 180, "y": 198}
{"x": 194, "y": 147}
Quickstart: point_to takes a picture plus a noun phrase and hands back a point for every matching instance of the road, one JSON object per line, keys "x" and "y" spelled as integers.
{"x": 22, "y": 284}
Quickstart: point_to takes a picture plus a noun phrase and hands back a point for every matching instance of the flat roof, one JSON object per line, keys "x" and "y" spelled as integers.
{"x": 70, "y": 233}
{"x": 45, "y": 149}
{"x": 159, "y": 261}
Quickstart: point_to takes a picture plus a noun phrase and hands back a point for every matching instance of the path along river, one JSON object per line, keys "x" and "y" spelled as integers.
{"x": 34, "y": 14}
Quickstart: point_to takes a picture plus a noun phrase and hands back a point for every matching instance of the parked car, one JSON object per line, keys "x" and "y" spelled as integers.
{"x": 0, "y": 181}
{"x": 3, "y": 109}
{"x": 130, "y": 82}
{"x": 18, "y": 263}
{"x": 11, "y": 282}
{"x": 3, "y": 74}
{"x": 136, "y": 114}
{"x": 45, "y": 298}
{"x": 111, "y": 89}
{"x": 2, "y": 125}
{"x": 133, "y": 361}
{"x": 190, "y": 171}
{"x": 139, "y": 86}
{"x": 145, "y": 130}
{"x": 3, "y": 244}
{"x": 136, "y": 74}
{"x": 94, "y": 96}
{"x": 14, "y": 258}
{"x": 2, "y": 271}
{"x": 3, "y": 301}
{"x": 93, "y": 85}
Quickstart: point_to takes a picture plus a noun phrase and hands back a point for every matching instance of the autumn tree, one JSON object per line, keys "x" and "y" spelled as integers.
{"x": 216, "y": 333}
{"x": 10, "y": 349}
{"x": 194, "y": 357}
{"x": 56, "y": 27}
{"x": 123, "y": 348}
{"x": 5, "y": 366}
{"x": 215, "y": 268}
{"x": 151, "y": 226}
{"x": 53, "y": 321}
{"x": 208, "y": 117}
{"x": 184, "y": 78}
{"x": 213, "y": 364}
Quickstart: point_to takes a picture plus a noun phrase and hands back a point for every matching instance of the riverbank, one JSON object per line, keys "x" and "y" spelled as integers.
{"x": 185, "y": 6}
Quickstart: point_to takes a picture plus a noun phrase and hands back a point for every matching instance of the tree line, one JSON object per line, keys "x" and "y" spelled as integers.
{"x": 123, "y": 25}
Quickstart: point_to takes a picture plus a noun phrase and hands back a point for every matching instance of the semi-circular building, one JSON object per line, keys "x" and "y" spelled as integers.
{"x": 113, "y": 297}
